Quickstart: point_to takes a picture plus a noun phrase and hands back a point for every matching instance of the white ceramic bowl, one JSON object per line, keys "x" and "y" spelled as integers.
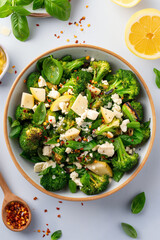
{"x": 7, "y": 62}
{"x": 77, "y": 51}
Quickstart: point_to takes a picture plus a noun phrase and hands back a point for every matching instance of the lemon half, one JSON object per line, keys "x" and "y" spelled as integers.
{"x": 126, "y": 3}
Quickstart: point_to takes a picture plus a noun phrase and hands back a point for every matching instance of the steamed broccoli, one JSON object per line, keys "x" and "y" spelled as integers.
{"x": 123, "y": 162}
{"x": 100, "y": 69}
{"x": 30, "y": 138}
{"x": 54, "y": 179}
{"x": 32, "y": 80}
{"x": 77, "y": 82}
{"x": 93, "y": 183}
{"x": 59, "y": 154}
{"x": 133, "y": 111}
{"x": 146, "y": 131}
{"x": 68, "y": 67}
{"x": 125, "y": 84}
{"x": 109, "y": 127}
{"x": 23, "y": 114}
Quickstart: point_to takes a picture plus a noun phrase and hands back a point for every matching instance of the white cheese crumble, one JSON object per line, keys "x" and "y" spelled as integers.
{"x": 92, "y": 59}
{"x": 53, "y": 94}
{"x": 116, "y": 99}
{"x": 109, "y": 135}
{"x": 70, "y": 91}
{"x": 38, "y": 167}
{"x": 51, "y": 119}
{"x": 129, "y": 150}
{"x": 68, "y": 150}
{"x": 105, "y": 82}
{"x": 47, "y": 105}
{"x": 63, "y": 107}
{"x": 106, "y": 149}
{"x": 78, "y": 165}
{"x": 109, "y": 105}
{"x": 92, "y": 114}
{"x": 41, "y": 82}
{"x": 74, "y": 177}
{"x": 47, "y": 151}
{"x": 89, "y": 69}
{"x": 116, "y": 107}
{"x": 123, "y": 126}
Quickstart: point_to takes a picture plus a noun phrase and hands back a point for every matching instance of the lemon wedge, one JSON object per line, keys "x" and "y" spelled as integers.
{"x": 55, "y": 105}
{"x": 126, "y": 3}
{"x": 142, "y": 34}
{"x": 100, "y": 168}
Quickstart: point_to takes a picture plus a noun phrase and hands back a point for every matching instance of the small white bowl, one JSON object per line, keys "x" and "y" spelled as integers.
{"x": 7, "y": 62}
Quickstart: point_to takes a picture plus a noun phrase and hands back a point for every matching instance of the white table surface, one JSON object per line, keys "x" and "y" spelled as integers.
{"x": 100, "y": 219}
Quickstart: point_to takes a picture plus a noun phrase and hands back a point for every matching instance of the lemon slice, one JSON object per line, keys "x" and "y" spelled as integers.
{"x": 142, "y": 34}
{"x": 100, "y": 168}
{"x": 55, "y": 105}
{"x": 126, "y": 3}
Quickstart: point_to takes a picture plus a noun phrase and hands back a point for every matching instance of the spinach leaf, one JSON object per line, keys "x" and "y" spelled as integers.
{"x": 58, "y": 8}
{"x": 135, "y": 139}
{"x": 37, "y": 4}
{"x": 89, "y": 97}
{"x": 15, "y": 132}
{"x": 53, "y": 70}
{"x": 15, "y": 123}
{"x": 20, "y": 26}
{"x": 133, "y": 125}
{"x": 72, "y": 186}
{"x": 87, "y": 146}
{"x": 10, "y": 120}
{"x": 52, "y": 141}
{"x": 138, "y": 203}
{"x": 67, "y": 58}
{"x": 157, "y": 72}
{"x": 34, "y": 159}
{"x": 56, "y": 235}
{"x": 39, "y": 114}
{"x": 5, "y": 10}
{"x": 22, "y": 2}
{"x": 41, "y": 156}
{"x": 96, "y": 124}
{"x": 129, "y": 230}
{"x": 39, "y": 64}
{"x": 20, "y": 10}
{"x": 117, "y": 175}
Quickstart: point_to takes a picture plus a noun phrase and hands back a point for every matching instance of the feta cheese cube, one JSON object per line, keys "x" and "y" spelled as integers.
{"x": 51, "y": 119}
{"x": 27, "y": 100}
{"x": 123, "y": 126}
{"x": 80, "y": 105}
{"x": 92, "y": 114}
{"x": 47, "y": 151}
{"x": 54, "y": 94}
{"x": 63, "y": 107}
{"x": 41, "y": 82}
{"x": 68, "y": 150}
{"x": 106, "y": 149}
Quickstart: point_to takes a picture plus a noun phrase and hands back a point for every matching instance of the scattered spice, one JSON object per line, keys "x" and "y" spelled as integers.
{"x": 13, "y": 66}
{"x": 45, "y": 210}
{"x": 82, "y": 203}
{"x": 39, "y": 230}
{"x": 82, "y": 29}
{"x": 60, "y": 201}
{"x": 75, "y": 36}
{"x": 61, "y": 32}
{"x": 17, "y": 215}
{"x": 88, "y": 25}
{"x": 35, "y": 198}
{"x": 87, "y": 6}
{"x": 37, "y": 25}
{"x": 15, "y": 72}
{"x": 57, "y": 208}
{"x": 67, "y": 40}
{"x": 0, "y": 82}
{"x": 70, "y": 23}
{"x": 59, "y": 216}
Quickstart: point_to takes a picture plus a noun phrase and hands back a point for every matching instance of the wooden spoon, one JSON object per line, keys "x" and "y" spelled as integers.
{"x": 8, "y": 198}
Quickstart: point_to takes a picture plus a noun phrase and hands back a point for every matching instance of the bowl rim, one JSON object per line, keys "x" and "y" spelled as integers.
{"x": 89, "y": 198}
{"x": 7, "y": 62}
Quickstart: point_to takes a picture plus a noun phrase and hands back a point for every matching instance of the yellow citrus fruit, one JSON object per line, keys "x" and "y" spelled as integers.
{"x": 142, "y": 34}
{"x": 126, "y": 3}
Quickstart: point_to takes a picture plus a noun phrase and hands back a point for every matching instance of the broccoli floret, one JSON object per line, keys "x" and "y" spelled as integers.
{"x": 133, "y": 111}
{"x": 100, "y": 70}
{"x": 100, "y": 101}
{"x": 77, "y": 82}
{"x": 93, "y": 183}
{"x": 59, "y": 154}
{"x": 109, "y": 127}
{"x": 54, "y": 179}
{"x": 23, "y": 114}
{"x": 68, "y": 67}
{"x": 125, "y": 84}
{"x": 146, "y": 131}
{"x": 32, "y": 80}
{"x": 123, "y": 162}
{"x": 30, "y": 138}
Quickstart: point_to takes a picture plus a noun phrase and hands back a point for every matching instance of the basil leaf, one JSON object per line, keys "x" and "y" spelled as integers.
{"x": 58, "y": 8}
{"x": 157, "y": 72}
{"x": 129, "y": 230}
{"x": 56, "y": 235}
{"x": 15, "y": 132}
{"x": 10, "y": 120}
{"x": 39, "y": 64}
{"x": 5, "y": 10}
{"x": 23, "y": 2}
{"x": 138, "y": 203}
{"x": 20, "y": 10}
{"x": 87, "y": 146}
{"x": 15, "y": 123}
{"x": 72, "y": 186}
{"x": 20, "y": 26}
{"x": 37, "y": 4}
{"x": 41, "y": 156}
{"x": 53, "y": 70}
{"x": 39, "y": 114}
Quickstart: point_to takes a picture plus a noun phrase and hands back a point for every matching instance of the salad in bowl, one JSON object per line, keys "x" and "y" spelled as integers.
{"x": 80, "y": 123}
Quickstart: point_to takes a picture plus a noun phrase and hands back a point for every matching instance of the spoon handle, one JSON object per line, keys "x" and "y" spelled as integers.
{"x": 4, "y": 185}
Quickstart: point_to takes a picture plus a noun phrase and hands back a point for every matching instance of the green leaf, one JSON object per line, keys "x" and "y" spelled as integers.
{"x": 87, "y": 146}
{"x": 117, "y": 175}
{"x": 60, "y": 9}
{"x": 2, "y": 2}
{"x": 38, "y": 4}
{"x": 129, "y": 230}
{"x": 72, "y": 186}
{"x": 39, "y": 114}
{"x": 53, "y": 70}
{"x": 15, "y": 132}
{"x": 5, "y": 10}
{"x": 133, "y": 125}
{"x": 20, "y": 10}
{"x": 23, "y": 2}
{"x": 34, "y": 159}
{"x": 157, "y": 72}
{"x": 20, "y": 26}
{"x": 15, "y": 123}
{"x": 138, "y": 203}
{"x": 135, "y": 139}
{"x": 52, "y": 141}
{"x": 10, "y": 120}
{"x": 41, "y": 156}
{"x": 56, "y": 235}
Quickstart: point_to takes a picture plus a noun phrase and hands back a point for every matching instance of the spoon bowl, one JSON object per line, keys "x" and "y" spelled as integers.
{"x": 9, "y": 197}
